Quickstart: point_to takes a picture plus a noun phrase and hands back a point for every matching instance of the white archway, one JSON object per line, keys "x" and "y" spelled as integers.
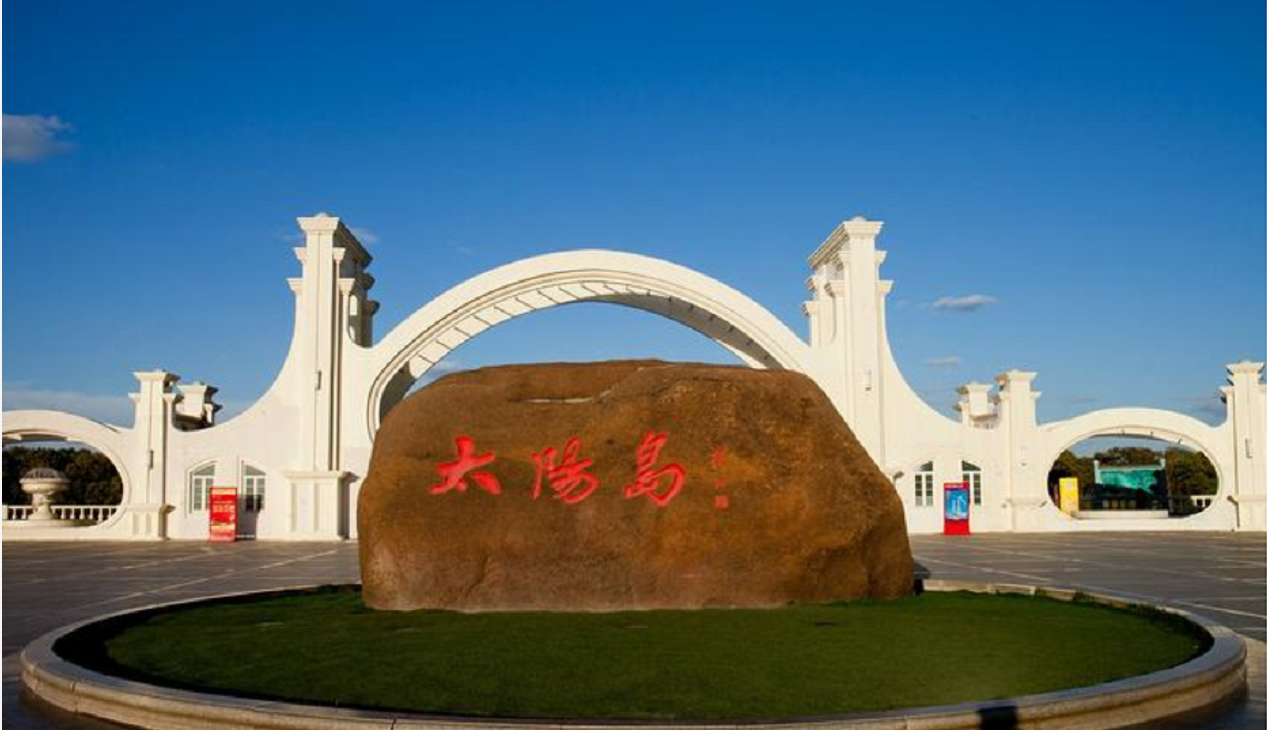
{"x": 313, "y": 430}
{"x": 1152, "y": 423}
{"x": 38, "y": 426}
{"x": 706, "y": 305}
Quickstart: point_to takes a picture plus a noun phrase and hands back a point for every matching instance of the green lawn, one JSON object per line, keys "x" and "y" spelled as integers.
{"x": 936, "y": 648}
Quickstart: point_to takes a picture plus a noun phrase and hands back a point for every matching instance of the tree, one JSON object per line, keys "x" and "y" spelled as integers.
{"x": 1189, "y": 473}
{"x": 93, "y": 478}
{"x": 1128, "y": 456}
{"x": 1069, "y": 464}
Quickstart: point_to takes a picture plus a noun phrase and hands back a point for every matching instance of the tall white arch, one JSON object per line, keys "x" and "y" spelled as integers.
{"x": 654, "y": 285}
{"x": 38, "y": 425}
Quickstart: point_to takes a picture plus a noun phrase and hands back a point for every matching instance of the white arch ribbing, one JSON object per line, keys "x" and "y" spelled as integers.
{"x": 1181, "y": 429}
{"x": 40, "y": 425}
{"x": 676, "y": 292}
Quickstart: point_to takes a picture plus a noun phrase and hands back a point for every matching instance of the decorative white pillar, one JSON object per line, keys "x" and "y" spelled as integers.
{"x": 196, "y": 407}
{"x": 813, "y": 310}
{"x": 333, "y": 313}
{"x": 149, "y": 500}
{"x": 1246, "y": 398}
{"x": 1018, "y": 423}
{"x": 975, "y": 406}
{"x": 316, "y": 505}
{"x": 847, "y": 327}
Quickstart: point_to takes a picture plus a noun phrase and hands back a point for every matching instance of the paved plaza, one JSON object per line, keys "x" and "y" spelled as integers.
{"x": 1220, "y": 575}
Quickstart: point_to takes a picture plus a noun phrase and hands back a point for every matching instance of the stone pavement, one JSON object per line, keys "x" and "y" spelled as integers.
{"x": 46, "y": 585}
{"x": 1220, "y": 575}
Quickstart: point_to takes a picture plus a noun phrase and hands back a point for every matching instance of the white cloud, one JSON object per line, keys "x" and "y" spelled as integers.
{"x": 948, "y": 361}
{"x": 32, "y": 137}
{"x": 109, "y": 408}
{"x": 365, "y": 236}
{"x": 463, "y": 250}
{"x": 114, "y": 409}
{"x": 967, "y": 303}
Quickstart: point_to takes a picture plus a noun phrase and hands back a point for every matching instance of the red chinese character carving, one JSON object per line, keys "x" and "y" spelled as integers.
{"x": 648, "y": 480}
{"x": 568, "y": 478}
{"x": 455, "y": 472}
{"x": 717, "y": 458}
{"x": 715, "y": 462}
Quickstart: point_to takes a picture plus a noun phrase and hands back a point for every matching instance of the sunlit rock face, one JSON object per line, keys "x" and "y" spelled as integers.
{"x": 624, "y": 485}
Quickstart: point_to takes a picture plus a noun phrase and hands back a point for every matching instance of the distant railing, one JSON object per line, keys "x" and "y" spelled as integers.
{"x": 1190, "y": 504}
{"x": 94, "y": 513}
{"x": 1178, "y": 505}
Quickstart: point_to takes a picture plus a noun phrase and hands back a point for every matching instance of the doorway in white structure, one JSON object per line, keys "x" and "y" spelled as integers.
{"x": 252, "y": 500}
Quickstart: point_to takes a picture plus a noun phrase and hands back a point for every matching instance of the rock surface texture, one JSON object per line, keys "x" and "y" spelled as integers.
{"x": 669, "y": 486}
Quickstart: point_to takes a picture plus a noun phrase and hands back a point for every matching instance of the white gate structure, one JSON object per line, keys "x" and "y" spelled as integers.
{"x": 304, "y": 446}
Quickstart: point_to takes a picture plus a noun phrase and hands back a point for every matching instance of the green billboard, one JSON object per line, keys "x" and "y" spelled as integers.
{"x": 1129, "y": 477}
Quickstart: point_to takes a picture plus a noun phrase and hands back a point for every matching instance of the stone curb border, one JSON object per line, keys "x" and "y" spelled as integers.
{"x": 1211, "y": 679}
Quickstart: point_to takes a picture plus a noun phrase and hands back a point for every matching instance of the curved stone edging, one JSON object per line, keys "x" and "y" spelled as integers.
{"x": 1210, "y": 679}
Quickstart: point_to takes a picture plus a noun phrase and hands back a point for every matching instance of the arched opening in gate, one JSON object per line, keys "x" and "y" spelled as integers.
{"x": 567, "y": 334}
{"x": 426, "y": 338}
{"x": 1134, "y": 477}
{"x": 94, "y": 488}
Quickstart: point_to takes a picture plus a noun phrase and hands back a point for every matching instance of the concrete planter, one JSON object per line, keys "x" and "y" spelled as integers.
{"x": 1205, "y": 682}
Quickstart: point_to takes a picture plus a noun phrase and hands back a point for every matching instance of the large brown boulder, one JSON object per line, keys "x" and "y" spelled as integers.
{"x": 687, "y": 486}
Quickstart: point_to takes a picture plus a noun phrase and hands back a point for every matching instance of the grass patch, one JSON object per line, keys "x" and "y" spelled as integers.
{"x": 324, "y": 646}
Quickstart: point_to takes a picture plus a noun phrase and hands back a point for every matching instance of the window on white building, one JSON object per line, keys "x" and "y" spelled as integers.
{"x": 252, "y": 489}
{"x": 200, "y": 481}
{"x": 972, "y": 477}
{"x": 924, "y": 485}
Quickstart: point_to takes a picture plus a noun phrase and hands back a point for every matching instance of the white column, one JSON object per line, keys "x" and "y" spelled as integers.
{"x": 1026, "y": 488}
{"x": 147, "y": 504}
{"x": 841, "y": 346}
{"x": 975, "y": 407}
{"x": 333, "y": 271}
{"x": 850, "y": 295}
{"x": 813, "y": 310}
{"x": 864, "y": 325}
{"x": 320, "y": 301}
{"x": 1246, "y": 398}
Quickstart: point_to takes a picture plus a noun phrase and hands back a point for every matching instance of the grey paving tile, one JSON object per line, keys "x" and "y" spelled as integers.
{"x": 49, "y": 585}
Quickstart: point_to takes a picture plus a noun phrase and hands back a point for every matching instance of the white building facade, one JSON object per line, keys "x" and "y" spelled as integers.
{"x": 299, "y": 454}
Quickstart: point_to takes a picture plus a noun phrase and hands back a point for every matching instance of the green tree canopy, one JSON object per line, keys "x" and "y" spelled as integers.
{"x": 93, "y": 478}
{"x": 1187, "y": 472}
{"x": 1128, "y": 456}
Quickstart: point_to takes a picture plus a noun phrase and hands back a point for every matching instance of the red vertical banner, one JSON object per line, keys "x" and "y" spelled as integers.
{"x": 956, "y": 508}
{"x": 224, "y": 514}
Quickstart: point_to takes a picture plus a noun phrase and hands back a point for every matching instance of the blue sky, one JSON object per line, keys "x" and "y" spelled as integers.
{"x": 1096, "y": 169}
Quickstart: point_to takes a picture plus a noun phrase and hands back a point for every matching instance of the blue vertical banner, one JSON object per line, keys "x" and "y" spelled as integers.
{"x": 957, "y": 506}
